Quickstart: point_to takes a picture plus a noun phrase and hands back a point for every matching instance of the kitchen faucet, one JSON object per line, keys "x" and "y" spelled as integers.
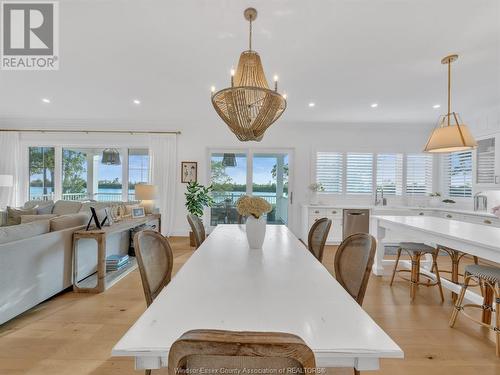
{"x": 480, "y": 201}
{"x": 382, "y": 200}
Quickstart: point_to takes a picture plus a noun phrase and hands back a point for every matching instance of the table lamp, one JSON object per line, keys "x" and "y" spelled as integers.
{"x": 146, "y": 194}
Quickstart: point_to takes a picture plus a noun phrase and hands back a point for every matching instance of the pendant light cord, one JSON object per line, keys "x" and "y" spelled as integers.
{"x": 250, "y": 35}
{"x": 449, "y": 92}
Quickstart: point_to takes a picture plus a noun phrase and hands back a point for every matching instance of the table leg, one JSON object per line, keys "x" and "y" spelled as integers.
{"x": 378, "y": 266}
{"x": 101, "y": 263}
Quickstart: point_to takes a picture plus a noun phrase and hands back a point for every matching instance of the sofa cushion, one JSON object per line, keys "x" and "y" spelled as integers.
{"x": 44, "y": 209}
{"x": 35, "y": 203}
{"x": 68, "y": 221}
{"x": 66, "y": 207}
{"x": 14, "y": 214}
{"x": 30, "y": 218}
{"x": 19, "y": 232}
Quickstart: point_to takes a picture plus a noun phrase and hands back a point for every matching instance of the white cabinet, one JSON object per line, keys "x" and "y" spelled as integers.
{"x": 488, "y": 162}
{"x": 312, "y": 214}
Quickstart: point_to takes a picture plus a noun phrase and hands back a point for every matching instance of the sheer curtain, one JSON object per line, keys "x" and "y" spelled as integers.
{"x": 163, "y": 153}
{"x": 9, "y": 165}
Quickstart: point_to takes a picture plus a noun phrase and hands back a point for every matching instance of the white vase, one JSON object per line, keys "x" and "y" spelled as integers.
{"x": 256, "y": 231}
{"x": 314, "y": 198}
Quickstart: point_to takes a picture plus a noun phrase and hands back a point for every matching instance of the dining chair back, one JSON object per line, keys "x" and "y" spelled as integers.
{"x": 155, "y": 260}
{"x": 246, "y": 351}
{"x": 198, "y": 229}
{"x": 317, "y": 237}
{"x": 353, "y": 263}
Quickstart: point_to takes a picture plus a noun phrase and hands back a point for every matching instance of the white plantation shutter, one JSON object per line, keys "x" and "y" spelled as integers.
{"x": 329, "y": 170}
{"x": 485, "y": 172}
{"x": 418, "y": 174}
{"x": 359, "y": 172}
{"x": 458, "y": 170}
{"x": 390, "y": 173}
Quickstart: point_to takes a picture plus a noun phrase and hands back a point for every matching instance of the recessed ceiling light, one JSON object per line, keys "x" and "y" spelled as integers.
{"x": 436, "y": 106}
{"x": 137, "y": 101}
{"x": 312, "y": 104}
{"x": 45, "y": 100}
{"x": 374, "y": 105}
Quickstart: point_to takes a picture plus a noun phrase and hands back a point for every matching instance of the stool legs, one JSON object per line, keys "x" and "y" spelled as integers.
{"x": 487, "y": 304}
{"x": 436, "y": 269}
{"x": 395, "y": 266}
{"x": 415, "y": 269}
{"x": 458, "y": 305}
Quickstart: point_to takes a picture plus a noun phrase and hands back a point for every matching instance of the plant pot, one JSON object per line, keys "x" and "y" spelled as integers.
{"x": 256, "y": 231}
{"x": 192, "y": 242}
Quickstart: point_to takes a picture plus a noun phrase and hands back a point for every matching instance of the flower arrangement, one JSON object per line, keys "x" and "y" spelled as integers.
{"x": 316, "y": 186}
{"x": 252, "y": 206}
{"x": 436, "y": 194}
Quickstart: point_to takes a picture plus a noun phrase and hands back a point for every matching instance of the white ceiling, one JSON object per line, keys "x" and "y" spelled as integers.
{"x": 343, "y": 55}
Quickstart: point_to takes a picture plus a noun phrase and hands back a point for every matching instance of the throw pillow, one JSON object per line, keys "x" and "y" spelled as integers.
{"x": 14, "y": 214}
{"x": 44, "y": 209}
{"x": 68, "y": 221}
{"x": 30, "y": 218}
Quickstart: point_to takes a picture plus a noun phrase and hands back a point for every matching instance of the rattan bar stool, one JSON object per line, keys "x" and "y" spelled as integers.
{"x": 455, "y": 256}
{"x": 489, "y": 277}
{"x": 416, "y": 251}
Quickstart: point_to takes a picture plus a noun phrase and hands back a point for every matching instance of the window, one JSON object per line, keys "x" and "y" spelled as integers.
{"x": 458, "y": 172}
{"x": 359, "y": 172}
{"x": 390, "y": 173}
{"x": 329, "y": 171}
{"x": 41, "y": 172}
{"x": 418, "y": 174}
{"x": 74, "y": 182}
{"x": 138, "y": 170}
{"x": 110, "y": 181}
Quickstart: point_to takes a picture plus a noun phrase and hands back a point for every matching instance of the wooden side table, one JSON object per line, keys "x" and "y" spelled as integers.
{"x": 100, "y": 237}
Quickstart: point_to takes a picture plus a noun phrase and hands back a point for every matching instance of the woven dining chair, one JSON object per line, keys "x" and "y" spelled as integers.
{"x": 353, "y": 263}
{"x": 317, "y": 237}
{"x": 248, "y": 351}
{"x": 155, "y": 260}
{"x": 198, "y": 229}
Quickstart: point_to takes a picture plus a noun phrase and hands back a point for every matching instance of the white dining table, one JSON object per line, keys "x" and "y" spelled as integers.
{"x": 279, "y": 288}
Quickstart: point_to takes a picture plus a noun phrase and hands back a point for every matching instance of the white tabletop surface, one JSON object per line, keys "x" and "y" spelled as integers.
{"x": 281, "y": 288}
{"x": 475, "y": 234}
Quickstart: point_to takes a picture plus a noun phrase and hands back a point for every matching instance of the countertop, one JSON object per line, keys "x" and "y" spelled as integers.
{"x": 402, "y": 208}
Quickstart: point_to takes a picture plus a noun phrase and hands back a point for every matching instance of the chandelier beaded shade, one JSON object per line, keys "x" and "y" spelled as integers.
{"x": 249, "y": 106}
{"x": 110, "y": 156}
{"x": 449, "y": 137}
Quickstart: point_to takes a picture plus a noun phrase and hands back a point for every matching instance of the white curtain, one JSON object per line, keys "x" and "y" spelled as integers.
{"x": 9, "y": 165}
{"x": 163, "y": 153}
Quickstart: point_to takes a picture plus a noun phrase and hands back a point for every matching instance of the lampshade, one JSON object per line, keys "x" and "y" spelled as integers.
{"x": 6, "y": 180}
{"x": 450, "y": 139}
{"x": 144, "y": 192}
{"x": 229, "y": 160}
{"x": 111, "y": 156}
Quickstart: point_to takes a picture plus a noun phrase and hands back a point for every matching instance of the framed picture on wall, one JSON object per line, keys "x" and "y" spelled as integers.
{"x": 189, "y": 171}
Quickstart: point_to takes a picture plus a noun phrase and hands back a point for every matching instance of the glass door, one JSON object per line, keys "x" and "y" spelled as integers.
{"x": 270, "y": 181}
{"x": 259, "y": 173}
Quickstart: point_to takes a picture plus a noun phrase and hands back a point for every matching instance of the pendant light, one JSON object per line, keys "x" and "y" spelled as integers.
{"x": 229, "y": 160}
{"x": 450, "y": 134}
{"x": 249, "y": 106}
{"x": 110, "y": 156}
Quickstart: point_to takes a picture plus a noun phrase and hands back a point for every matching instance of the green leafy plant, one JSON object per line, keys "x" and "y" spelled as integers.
{"x": 198, "y": 197}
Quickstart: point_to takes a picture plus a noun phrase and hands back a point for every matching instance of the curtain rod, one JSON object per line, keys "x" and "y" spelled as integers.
{"x": 131, "y": 132}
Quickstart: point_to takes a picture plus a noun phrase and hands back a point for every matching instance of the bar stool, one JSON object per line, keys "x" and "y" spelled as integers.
{"x": 489, "y": 277}
{"x": 455, "y": 256}
{"x": 416, "y": 251}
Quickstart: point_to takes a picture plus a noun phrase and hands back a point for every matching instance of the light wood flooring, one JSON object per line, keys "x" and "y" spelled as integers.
{"x": 73, "y": 333}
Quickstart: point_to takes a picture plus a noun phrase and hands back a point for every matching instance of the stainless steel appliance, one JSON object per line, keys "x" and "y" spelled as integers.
{"x": 356, "y": 221}
{"x": 480, "y": 202}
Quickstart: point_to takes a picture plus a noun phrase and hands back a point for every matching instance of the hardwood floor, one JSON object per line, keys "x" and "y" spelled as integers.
{"x": 73, "y": 333}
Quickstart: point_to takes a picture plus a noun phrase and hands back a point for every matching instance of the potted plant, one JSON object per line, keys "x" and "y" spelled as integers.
{"x": 254, "y": 208}
{"x": 435, "y": 199}
{"x": 197, "y": 198}
{"x": 315, "y": 188}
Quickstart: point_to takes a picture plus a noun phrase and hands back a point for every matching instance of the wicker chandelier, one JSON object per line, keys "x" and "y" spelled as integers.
{"x": 249, "y": 107}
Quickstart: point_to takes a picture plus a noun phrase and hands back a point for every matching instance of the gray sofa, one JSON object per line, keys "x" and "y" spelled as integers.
{"x": 36, "y": 257}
